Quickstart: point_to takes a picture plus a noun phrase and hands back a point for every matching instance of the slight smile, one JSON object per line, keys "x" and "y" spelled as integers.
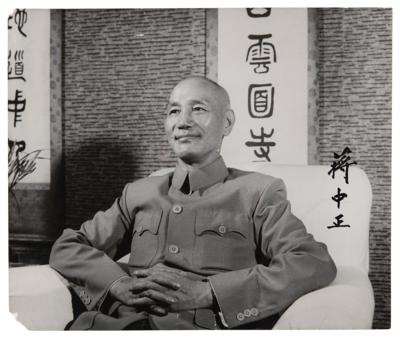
{"x": 186, "y": 137}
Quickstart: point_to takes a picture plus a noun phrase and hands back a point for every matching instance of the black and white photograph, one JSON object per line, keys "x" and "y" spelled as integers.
{"x": 225, "y": 168}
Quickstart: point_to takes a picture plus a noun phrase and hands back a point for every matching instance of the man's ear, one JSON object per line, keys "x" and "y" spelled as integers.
{"x": 229, "y": 121}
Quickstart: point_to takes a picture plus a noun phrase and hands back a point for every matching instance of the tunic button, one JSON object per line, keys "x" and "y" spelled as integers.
{"x": 222, "y": 229}
{"x": 177, "y": 209}
{"x": 254, "y": 312}
{"x": 240, "y": 316}
{"x": 247, "y": 313}
{"x": 173, "y": 249}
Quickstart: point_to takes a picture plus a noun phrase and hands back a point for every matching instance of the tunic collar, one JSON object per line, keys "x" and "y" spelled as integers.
{"x": 202, "y": 177}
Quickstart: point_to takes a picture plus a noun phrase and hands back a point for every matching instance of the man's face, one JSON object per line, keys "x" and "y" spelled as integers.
{"x": 194, "y": 122}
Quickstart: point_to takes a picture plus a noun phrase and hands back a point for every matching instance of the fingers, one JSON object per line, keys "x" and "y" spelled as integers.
{"x": 146, "y": 304}
{"x": 157, "y": 310}
{"x": 153, "y": 283}
{"x": 142, "y": 273}
{"x": 158, "y": 297}
{"x": 163, "y": 280}
{"x": 140, "y": 285}
{"x": 152, "y": 301}
{"x": 158, "y": 268}
{"x": 167, "y": 282}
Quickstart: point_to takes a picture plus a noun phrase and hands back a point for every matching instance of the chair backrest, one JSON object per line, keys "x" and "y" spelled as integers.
{"x": 310, "y": 191}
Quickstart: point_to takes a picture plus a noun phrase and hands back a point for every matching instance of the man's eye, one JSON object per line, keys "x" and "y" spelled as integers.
{"x": 198, "y": 108}
{"x": 173, "y": 111}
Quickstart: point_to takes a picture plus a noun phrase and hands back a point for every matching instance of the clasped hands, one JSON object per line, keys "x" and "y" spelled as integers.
{"x": 162, "y": 289}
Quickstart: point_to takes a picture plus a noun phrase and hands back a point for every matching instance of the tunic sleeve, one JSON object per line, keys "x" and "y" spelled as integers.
{"x": 87, "y": 256}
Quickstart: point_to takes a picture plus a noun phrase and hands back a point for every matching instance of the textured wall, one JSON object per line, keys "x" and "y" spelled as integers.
{"x": 355, "y": 111}
{"x": 119, "y": 67}
{"x": 212, "y": 44}
{"x": 312, "y": 84}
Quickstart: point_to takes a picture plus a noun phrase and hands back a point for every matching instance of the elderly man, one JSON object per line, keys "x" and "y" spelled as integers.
{"x": 210, "y": 246}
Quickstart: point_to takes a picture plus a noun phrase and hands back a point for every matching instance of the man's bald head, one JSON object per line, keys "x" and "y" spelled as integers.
{"x": 219, "y": 93}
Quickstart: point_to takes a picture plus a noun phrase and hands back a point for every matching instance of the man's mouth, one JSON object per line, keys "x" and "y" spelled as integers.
{"x": 185, "y": 137}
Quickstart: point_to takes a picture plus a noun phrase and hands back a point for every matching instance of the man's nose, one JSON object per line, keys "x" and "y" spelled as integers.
{"x": 185, "y": 119}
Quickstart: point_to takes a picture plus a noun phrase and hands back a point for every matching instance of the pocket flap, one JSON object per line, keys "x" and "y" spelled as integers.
{"x": 148, "y": 221}
{"x": 222, "y": 223}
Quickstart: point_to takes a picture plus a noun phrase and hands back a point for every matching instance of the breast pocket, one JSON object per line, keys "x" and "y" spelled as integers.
{"x": 223, "y": 241}
{"x": 145, "y": 238}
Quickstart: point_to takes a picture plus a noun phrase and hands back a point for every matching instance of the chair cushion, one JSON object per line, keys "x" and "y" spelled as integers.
{"x": 347, "y": 303}
{"x": 39, "y": 298}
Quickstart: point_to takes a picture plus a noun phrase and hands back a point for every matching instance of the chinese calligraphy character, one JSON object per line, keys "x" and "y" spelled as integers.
{"x": 339, "y": 197}
{"x": 20, "y": 19}
{"x": 264, "y": 146}
{"x": 17, "y": 106}
{"x": 19, "y": 144}
{"x": 258, "y": 12}
{"x": 261, "y": 100}
{"x": 338, "y": 222}
{"x": 342, "y": 163}
{"x": 18, "y": 69}
{"x": 261, "y": 53}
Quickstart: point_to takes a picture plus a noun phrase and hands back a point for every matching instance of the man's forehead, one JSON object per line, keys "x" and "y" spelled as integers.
{"x": 190, "y": 100}
{"x": 193, "y": 89}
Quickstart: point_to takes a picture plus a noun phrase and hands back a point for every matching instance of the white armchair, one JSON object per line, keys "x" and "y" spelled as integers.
{"x": 40, "y": 299}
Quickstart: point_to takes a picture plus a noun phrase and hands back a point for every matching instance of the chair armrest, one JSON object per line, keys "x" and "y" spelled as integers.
{"x": 39, "y": 298}
{"x": 347, "y": 303}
